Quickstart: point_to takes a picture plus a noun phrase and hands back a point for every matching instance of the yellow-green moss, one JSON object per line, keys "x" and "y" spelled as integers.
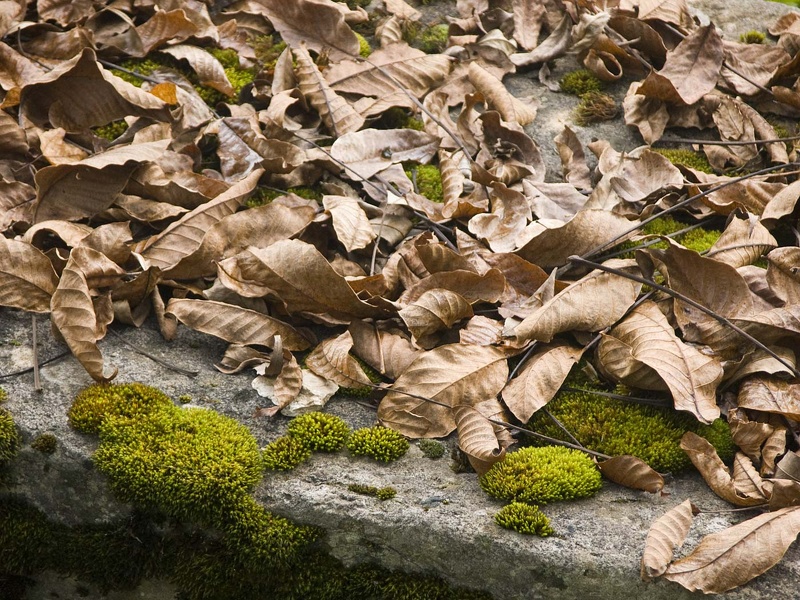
{"x": 524, "y": 518}
{"x": 428, "y": 180}
{"x": 3, "y": 395}
{"x": 433, "y": 40}
{"x": 9, "y": 437}
{"x": 380, "y": 443}
{"x": 267, "y": 50}
{"x": 616, "y": 427}
{"x": 384, "y": 493}
{"x": 112, "y": 130}
{"x": 93, "y": 405}
{"x": 542, "y": 475}
{"x": 364, "y": 390}
{"x": 753, "y": 37}
{"x": 431, "y": 448}
{"x": 687, "y": 158}
{"x": 595, "y": 107}
{"x": 319, "y": 432}
{"x": 184, "y": 398}
{"x": 45, "y": 443}
{"x": 285, "y": 453}
{"x": 700, "y": 240}
{"x": 580, "y": 82}
{"x": 364, "y": 49}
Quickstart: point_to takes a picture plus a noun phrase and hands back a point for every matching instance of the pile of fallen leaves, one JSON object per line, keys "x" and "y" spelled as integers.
{"x": 186, "y": 215}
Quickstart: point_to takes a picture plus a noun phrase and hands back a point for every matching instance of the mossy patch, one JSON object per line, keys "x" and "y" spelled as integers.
{"x": 753, "y": 37}
{"x": 384, "y": 493}
{"x": 320, "y": 432}
{"x": 9, "y": 437}
{"x": 285, "y": 454}
{"x": 431, "y": 448}
{"x": 595, "y": 107}
{"x": 434, "y": 39}
{"x": 524, "y": 518}
{"x": 112, "y": 130}
{"x": 380, "y": 443}
{"x": 687, "y": 158}
{"x": 427, "y": 180}
{"x": 45, "y": 443}
{"x": 580, "y": 82}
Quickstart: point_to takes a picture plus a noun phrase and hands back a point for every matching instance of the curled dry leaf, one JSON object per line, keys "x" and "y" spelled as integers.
{"x": 450, "y": 375}
{"x": 632, "y": 472}
{"x": 498, "y": 98}
{"x": 238, "y": 357}
{"x": 666, "y": 534}
{"x": 477, "y": 439}
{"x": 371, "y": 151}
{"x": 331, "y": 359}
{"x": 389, "y": 353}
{"x": 770, "y": 394}
{"x": 208, "y": 69}
{"x": 730, "y": 558}
{"x": 540, "y": 379}
{"x": 487, "y": 287}
{"x": 350, "y": 222}
{"x": 435, "y": 310}
{"x": 27, "y": 278}
{"x": 235, "y": 324}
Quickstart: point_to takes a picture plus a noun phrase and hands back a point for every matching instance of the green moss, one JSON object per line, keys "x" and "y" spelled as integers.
{"x": 595, "y": 107}
{"x": 616, "y": 427}
{"x": 524, "y": 518}
{"x": 542, "y": 475}
{"x": 227, "y": 57}
{"x": 433, "y": 40}
{"x": 384, "y": 493}
{"x": 380, "y": 443}
{"x": 428, "y": 180}
{"x": 687, "y": 158}
{"x": 431, "y": 448}
{"x": 45, "y": 443}
{"x": 285, "y": 454}
{"x": 9, "y": 437}
{"x": 267, "y": 50}
{"x": 365, "y": 390}
{"x": 753, "y": 37}
{"x": 184, "y": 398}
{"x": 111, "y": 131}
{"x": 700, "y": 240}
{"x": 580, "y": 82}
{"x": 3, "y": 395}
{"x": 264, "y": 196}
{"x": 364, "y": 49}
{"x": 319, "y": 432}
{"x": 95, "y": 404}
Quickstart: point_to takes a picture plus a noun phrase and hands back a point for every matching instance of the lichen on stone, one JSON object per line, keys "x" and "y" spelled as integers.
{"x": 542, "y": 475}
{"x": 524, "y": 518}
{"x": 380, "y": 443}
{"x": 319, "y": 432}
{"x": 384, "y": 493}
{"x": 431, "y": 448}
{"x": 285, "y": 453}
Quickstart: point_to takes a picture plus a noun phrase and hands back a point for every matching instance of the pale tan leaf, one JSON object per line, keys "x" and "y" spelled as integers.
{"x": 481, "y": 331}
{"x": 208, "y": 69}
{"x": 730, "y": 558}
{"x": 300, "y": 276}
{"x": 704, "y": 456}
{"x": 370, "y": 151}
{"x": 163, "y": 26}
{"x": 540, "y": 379}
{"x": 238, "y": 357}
{"x": 788, "y": 467}
{"x": 691, "y": 376}
{"x": 675, "y": 12}
{"x": 27, "y": 278}
{"x": 331, "y": 359}
{"x": 783, "y": 275}
{"x": 785, "y": 493}
{"x": 235, "y": 324}
{"x": 452, "y": 374}
{"x": 339, "y": 117}
{"x": 468, "y": 284}
{"x": 433, "y": 311}
{"x": 57, "y": 150}
{"x": 389, "y": 353}
{"x": 289, "y": 381}
{"x": 590, "y": 304}
{"x": 667, "y": 533}
{"x": 314, "y": 393}
{"x": 573, "y": 159}
{"x": 477, "y": 438}
{"x": 502, "y": 226}
{"x": 350, "y": 222}
{"x": 631, "y": 472}
{"x": 774, "y": 447}
{"x": 276, "y": 156}
{"x": 748, "y": 435}
{"x": 184, "y": 236}
{"x": 770, "y": 394}
{"x": 747, "y": 482}
{"x": 498, "y": 98}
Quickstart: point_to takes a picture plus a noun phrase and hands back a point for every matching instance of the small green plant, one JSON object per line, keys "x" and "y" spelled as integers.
{"x": 431, "y": 448}
{"x": 184, "y": 398}
{"x": 595, "y": 107}
{"x": 433, "y": 40}
{"x": 428, "y": 181}
{"x": 380, "y": 443}
{"x": 580, "y": 82}
{"x": 700, "y": 240}
{"x": 3, "y": 395}
{"x": 364, "y": 49}
{"x": 9, "y": 437}
{"x": 285, "y": 454}
{"x": 524, "y": 518}
{"x": 45, "y": 443}
{"x": 319, "y": 432}
{"x": 95, "y": 404}
{"x": 112, "y": 130}
{"x": 542, "y": 475}
{"x": 687, "y": 158}
{"x": 384, "y": 493}
{"x": 753, "y": 37}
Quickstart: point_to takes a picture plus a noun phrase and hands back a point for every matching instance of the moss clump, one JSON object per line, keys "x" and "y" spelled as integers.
{"x": 384, "y": 493}
{"x": 111, "y": 131}
{"x": 364, "y": 49}
{"x": 45, "y": 443}
{"x": 285, "y": 454}
{"x": 524, "y": 518}
{"x": 433, "y": 40}
{"x": 687, "y": 158}
{"x": 98, "y": 402}
{"x": 380, "y": 443}
{"x": 267, "y": 50}
{"x": 3, "y": 395}
{"x": 431, "y": 448}
{"x": 617, "y": 427}
{"x": 428, "y": 181}
{"x": 595, "y": 107}
{"x": 542, "y": 475}
{"x": 398, "y": 118}
{"x": 264, "y": 196}
{"x": 320, "y": 432}
{"x": 9, "y": 437}
{"x": 184, "y": 398}
{"x": 580, "y": 82}
{"x": 753, "y": 37}
{"x": 364, "y": 390}
{"x": 700, "y": 240}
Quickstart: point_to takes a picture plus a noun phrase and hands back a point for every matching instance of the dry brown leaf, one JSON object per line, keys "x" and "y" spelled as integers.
{"x": 27, "y": 278}
{"x": 289, "y": 382}
{"x": 433, "y": 311}
{"x": 667, "y": 533}
{"x": 540, "y": 379}
{"x": 508, "y": 218}
{"x": 238, "y": 357}
{"x": 477, "y": 438}
{"x": 389, "y": 353}
{"x": 631, "y": 472}
{"x": 165, "y": 25}
{"x": 783, "y": 276}
{"x": 208, "y": 69}
{"x": 371, "y": 151}
{"x": 331, "y": 359}
{"x": 498, "y": 98}
{"x": 743, "y": 242}
{"x": 350, "y": 222}
{"x": 453, "y": 374}
{"x": 590, "y": 304}
{"x": 770, "y": 394}
{"x": 646, "y": 340}
{"x": 730, "y": 558}
{"x": 235, "y": 324}
{"x": 473, "y": 287}
{"x": 339, "y": 117}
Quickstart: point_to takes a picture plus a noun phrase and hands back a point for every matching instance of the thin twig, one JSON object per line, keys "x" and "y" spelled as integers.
{"x": 111, "y": 65}
{"x": 160, "y": 361}
{"x": 41, "y": 364}
{"x": 690, "y": 302}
